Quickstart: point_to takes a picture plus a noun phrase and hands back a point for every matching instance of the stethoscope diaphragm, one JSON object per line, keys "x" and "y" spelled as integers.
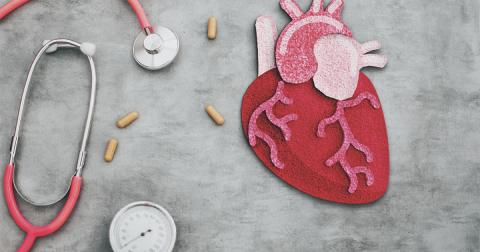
{"x": 156, "y": 50}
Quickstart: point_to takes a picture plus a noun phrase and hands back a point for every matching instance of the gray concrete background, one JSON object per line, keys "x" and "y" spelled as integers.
{"x": 220, "y": 195}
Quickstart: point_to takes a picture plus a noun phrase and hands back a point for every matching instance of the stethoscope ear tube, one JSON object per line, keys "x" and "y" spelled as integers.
{"x": 33, "y": 232}
{"x": 58, "y": 43}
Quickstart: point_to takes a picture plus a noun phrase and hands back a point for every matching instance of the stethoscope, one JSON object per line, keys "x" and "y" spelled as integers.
{"x": 153, "y": 49}
{"x": 32, "y": 231}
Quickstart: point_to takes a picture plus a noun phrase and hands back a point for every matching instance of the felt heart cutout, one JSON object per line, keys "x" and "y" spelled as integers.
{"x": 315, "y": 121}
{"x": 339, "y": 59}
{"x": 343, "y": 158}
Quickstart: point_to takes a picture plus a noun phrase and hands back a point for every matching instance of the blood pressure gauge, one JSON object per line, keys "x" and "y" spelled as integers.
{"x": 142, "y": 226}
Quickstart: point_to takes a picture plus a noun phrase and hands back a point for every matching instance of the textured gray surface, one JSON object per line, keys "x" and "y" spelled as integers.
{"x": 218, "y": 192}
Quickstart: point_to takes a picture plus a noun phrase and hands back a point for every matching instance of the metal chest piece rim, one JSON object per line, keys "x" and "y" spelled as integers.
{"x": 156, "y": 50}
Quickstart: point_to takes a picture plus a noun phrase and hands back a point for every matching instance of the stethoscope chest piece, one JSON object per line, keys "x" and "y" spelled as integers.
{"x": 156, "y": 50}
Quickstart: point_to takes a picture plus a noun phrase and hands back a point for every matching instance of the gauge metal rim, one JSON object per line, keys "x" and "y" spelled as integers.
{"x": 142, "y": 203}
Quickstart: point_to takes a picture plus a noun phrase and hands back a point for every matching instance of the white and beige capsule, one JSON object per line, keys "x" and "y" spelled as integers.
{"x": 110, "y": 150}
{"x": 212, "y": 28}
{"x": 215, "y": 115}
{"x": 127, "y": 120}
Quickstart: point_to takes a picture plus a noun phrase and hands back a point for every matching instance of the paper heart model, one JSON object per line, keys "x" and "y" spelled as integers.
{"x": 311, "y": 116}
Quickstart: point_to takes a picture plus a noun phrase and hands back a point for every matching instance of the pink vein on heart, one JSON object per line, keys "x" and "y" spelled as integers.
{"x": 349, "y": 140}
{"x": 282, "y": 123}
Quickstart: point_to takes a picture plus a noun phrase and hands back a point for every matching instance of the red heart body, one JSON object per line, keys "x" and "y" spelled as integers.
{"x": 304, "y": 156}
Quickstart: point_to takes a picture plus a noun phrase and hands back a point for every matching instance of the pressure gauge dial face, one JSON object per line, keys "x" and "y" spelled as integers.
{"x": 144, "y": 227}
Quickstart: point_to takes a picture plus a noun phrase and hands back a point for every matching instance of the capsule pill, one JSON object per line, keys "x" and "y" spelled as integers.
{"x": 212, "y": 28}
{"x": 213, "y": 113}
{"x": 111, "y": 149}
{"x": 127, "y": 120}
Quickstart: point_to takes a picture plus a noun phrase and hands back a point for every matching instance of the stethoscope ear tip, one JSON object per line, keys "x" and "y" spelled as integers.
{"x": 52, "y": 48}
{"x": 88, "y": 49}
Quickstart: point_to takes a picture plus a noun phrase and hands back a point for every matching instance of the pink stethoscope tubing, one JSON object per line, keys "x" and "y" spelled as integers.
{"x": 135, "y": 4}
{"x": 33, "y": 232}
{"x": 140, "y": 12}
{"x": 10, "y": 7}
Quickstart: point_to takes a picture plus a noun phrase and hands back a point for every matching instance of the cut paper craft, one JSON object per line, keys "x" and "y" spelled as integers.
{"x": 294, "y": 53}
{"x": 315, "y": 120}
{"x": 349, "y": 140}
{"x": 305, "y": 154}
{"x": 282, "y": 123}
{"x": 339, "y": 60}
{"x": 266, "y": 37}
